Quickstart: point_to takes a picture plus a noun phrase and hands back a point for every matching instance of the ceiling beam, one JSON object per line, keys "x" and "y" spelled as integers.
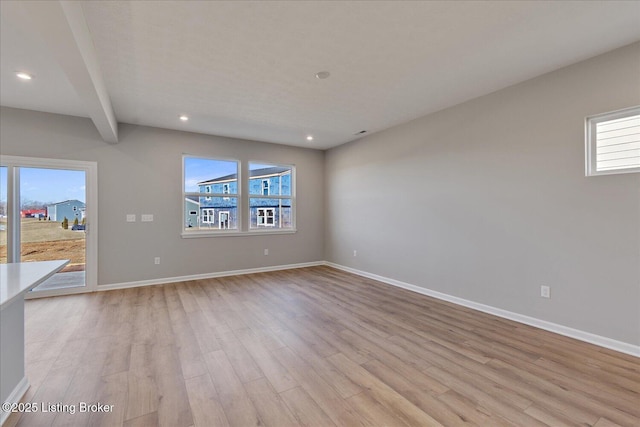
{"x": 64, "y": 31}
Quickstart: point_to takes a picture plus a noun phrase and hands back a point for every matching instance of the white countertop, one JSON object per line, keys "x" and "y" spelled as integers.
{"x": 18, "y": 278}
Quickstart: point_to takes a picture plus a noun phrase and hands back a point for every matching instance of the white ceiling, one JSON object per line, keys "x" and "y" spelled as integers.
{"x": 247, "y": 69}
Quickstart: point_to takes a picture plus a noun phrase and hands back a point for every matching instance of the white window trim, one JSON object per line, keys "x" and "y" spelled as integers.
{"x": 292, "y": 197}
{"x": 210, "y": 232}
{"x": 266, "y": 217}
{"x": 236, "y": 233}
{"x": 209, "y": 213}
{"x": 590, "y": 142}
{"x": 226, "y": 189}
{"x": 242, "y": 196}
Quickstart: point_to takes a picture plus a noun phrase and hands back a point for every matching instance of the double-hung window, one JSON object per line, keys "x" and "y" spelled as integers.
{"x": 613, "y": 142}
{"x": 271, "y": 196}
{"x": 232, "y": 198}
{"x": 210, "y": 189}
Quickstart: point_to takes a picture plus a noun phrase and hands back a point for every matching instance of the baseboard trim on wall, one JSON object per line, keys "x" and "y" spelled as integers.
{"x": 165, "y": 280}
{"x": 15, "y": 397}
{"x": 599, "y": 340}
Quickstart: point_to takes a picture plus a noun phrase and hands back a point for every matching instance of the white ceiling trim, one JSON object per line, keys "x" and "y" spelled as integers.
{"x": 63, "y": 28}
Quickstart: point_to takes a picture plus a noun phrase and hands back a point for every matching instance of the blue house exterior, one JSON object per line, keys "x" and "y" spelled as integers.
{"x": 191, "y": 212}
{"x": 71, "y": 209}
{"x": 265, "y": 212}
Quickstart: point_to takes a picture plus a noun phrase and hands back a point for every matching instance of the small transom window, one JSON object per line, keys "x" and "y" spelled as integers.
{"x": 613, "y": 142}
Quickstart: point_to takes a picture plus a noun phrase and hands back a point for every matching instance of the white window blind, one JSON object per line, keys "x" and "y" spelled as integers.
{"x": 613, "y": 142}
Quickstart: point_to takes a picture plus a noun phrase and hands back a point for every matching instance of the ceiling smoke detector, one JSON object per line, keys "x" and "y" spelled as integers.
{"x": 323, "y": 75}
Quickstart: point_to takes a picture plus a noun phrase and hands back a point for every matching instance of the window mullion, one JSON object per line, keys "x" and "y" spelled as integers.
{"x": 243, "y": 200}
{"x": 13, "y": 214}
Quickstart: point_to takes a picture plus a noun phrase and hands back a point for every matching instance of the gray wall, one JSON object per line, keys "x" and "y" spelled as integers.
{"x": 485, "y": 201}
{"x": 142, "y": 174}
{"x": 488, "y": 201}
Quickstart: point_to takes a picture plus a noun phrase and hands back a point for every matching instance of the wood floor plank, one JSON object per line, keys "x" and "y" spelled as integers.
{"x": 276, "y": 373}
{"x": 148, "y": 420}
{"x": 142, "y": 396}
{"x": 242, "y": 362}
{"x": 373, "y": 411}
{"x": 488, "y": 400}
{"x": 338, "y": 380}
{"x": 233, "y": 397}
{"x": 327, "y": 398}
{"x": 312, "y": 347}
{"x": 472, "y": 412}
{"x": 173, "y": 407}
{"x": 396, "y": 404}
{"x": 419, "y": 396}
{"x": 304, "y": 409}
{"x": 270, "y": 406}
{"x": 204, "y": 402}
{"x": 548, "y": 417}
{"x": 112, "y": 391}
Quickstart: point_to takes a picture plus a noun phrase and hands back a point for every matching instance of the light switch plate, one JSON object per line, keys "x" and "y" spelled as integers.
{"x": 146, "y": 217}
{"x": 131, "y": 217}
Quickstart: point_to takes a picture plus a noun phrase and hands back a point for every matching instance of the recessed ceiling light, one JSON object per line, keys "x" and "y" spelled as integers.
{"x": 184, "y": 118}
{"x": 24, "y": 76}
{"x": 309, "y": 138}
{"x": 323, "y": 75}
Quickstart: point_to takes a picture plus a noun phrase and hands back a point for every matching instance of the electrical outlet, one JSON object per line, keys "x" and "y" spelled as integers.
{"x": 131, "y": 217}
{"x": 545, "y": 291}
{"x": 156, "y": 260}
{"x": 266, "y": 251}
{"x": 355, "y": 253}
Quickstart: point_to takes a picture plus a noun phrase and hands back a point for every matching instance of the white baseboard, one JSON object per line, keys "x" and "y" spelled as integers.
{"x": 15, "y": 397}
{"x": 206, "y": 276}
{"x": 599, "y": 340}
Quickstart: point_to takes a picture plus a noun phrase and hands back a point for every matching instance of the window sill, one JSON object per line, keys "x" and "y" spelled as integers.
{"x": 234, "y": 233}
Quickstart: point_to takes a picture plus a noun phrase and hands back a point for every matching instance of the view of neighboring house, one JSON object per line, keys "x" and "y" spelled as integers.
{"x": 33, "y": 213}
{"x": 191, "y": 212}
{"x": 71, "y": 209}
{"x": 219, "y": 212}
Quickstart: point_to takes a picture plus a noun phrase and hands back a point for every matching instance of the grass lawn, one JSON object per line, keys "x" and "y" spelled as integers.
{"x": 46, "y": 241}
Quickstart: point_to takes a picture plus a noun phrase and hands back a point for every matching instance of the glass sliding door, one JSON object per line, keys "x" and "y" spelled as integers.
{"x": 47, "y": 211}
{"x": 53, "y": 222}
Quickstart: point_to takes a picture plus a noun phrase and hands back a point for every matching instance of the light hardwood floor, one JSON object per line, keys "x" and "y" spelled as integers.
{"x": 315, "y": 347}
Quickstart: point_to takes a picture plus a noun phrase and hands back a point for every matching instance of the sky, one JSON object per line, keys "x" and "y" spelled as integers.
{"x": 57, "y": 185}
{"x": 197, "y": 170}
{"x": 47, "y": 185}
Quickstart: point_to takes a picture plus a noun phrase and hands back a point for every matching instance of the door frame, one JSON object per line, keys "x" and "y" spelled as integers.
{"x": 91, "y": 212}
